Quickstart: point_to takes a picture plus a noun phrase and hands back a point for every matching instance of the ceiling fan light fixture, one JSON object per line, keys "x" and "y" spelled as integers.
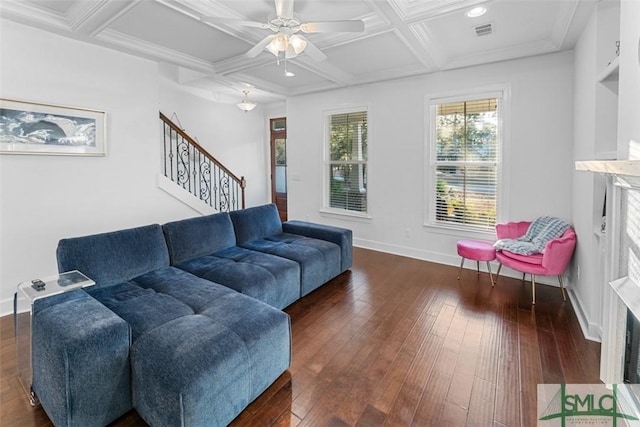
{"x": 297, "y": 43}
{"x": 291, "y": 45}
{"x": 246, "y": 105}
{"x": 278, "y": 44}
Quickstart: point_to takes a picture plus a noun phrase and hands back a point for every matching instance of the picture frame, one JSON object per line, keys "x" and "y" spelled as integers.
{"x": 46, "y": 129}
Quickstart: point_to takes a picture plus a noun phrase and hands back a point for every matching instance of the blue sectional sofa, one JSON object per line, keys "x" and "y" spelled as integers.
{"x": 184, "y": 322}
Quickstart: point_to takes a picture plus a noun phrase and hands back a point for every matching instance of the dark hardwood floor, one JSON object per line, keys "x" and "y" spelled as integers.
{"x": 400, "y": 342}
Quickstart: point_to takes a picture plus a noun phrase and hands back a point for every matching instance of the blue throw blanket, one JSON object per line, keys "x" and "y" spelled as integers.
{"x": 540, "y": 232}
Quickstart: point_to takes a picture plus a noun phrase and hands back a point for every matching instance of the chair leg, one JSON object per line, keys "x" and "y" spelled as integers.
{"x": 478, "y": 267}
{"x": 533, "y": 288}
{"x": 524, "y": 276}
{"x": 564, "y": 295}
{"x": 460, "y": 270}
{"x": 498, "y": 272}
{"x": 491, "y": 275}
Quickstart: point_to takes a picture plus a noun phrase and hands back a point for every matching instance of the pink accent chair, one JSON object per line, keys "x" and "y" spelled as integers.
{"x": 553, "y": 262}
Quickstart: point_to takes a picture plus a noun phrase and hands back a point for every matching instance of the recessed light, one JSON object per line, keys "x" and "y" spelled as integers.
{"x": 289, "y": 73}
{"x": 477, "y": 11}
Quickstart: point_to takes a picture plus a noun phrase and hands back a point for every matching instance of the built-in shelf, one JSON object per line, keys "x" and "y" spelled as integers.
{"x": 610, "y": 72}
{"x": 609, "y": 76}
{"x": 611, "y": 167}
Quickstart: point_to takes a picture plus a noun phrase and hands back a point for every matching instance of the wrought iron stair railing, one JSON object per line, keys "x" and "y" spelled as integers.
{"x": 191, "y": 167}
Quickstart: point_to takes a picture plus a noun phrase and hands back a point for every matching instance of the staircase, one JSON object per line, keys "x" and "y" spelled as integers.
{"x": 201, "y": 181}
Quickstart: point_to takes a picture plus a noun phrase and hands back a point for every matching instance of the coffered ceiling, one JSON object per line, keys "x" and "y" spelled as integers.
{"x": 401, "y": 37}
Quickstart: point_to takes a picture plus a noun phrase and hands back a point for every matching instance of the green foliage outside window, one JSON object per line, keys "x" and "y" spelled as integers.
{"x": 348, "y": 144}
{"x": 466, "y": 162}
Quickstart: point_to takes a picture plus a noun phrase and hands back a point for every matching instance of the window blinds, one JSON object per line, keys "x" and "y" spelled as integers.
{"x": 466, "y": 163}
{"x": 347, "y": 161}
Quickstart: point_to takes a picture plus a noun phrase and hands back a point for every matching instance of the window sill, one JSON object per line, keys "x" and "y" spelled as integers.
{"x": 461, "y": 232}
{"x": 347, "y": 215}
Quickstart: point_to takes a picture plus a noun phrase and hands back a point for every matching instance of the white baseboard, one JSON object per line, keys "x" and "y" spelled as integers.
{"x": 445, "y": 258}
{"x": 590, "y": 330}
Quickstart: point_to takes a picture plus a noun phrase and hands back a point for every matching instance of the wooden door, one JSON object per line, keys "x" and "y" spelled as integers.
{"x": 279, "y": 165}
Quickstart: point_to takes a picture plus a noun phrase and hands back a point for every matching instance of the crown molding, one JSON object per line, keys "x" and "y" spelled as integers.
{"x": 26, "y": 13}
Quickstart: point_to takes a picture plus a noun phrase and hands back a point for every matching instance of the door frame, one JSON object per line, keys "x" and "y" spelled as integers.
{"x": 277, "y": 134}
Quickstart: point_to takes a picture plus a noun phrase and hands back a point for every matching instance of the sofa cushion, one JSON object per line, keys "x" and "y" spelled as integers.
{"x": 115, "y": 257}
{"x": 142, "y": 309}
{"x": 69, "y": 340}
{"x": 204, "y": 369}
{"x": 319, "y": 260}
{"x": 195, "y": 237}
{"x": 255, "y": 223}
{"x": 195, "y": 292}
{"x": 268, "y": 278}
{"x": 342, "y": 237}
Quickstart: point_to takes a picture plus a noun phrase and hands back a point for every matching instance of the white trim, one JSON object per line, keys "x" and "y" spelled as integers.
{"x": 343, "y": 214}
{"x": 590, "y": 330}
{"x": 503, "y": 93}
{"x": 325, "y": 208}
{"x": 450, "y": 259}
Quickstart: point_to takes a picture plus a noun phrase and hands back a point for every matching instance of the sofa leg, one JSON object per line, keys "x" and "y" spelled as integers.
{"x": 533, "y": 288}
{"x": 478, "y": 267}
{"x": 564, "y": 295}
{"x": 460, "y": 270}
{"x": 524, "y": 276}
{"x": 491, "y": 275}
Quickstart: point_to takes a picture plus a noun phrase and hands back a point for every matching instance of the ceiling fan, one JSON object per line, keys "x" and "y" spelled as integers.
{"x": 286, "y": 29}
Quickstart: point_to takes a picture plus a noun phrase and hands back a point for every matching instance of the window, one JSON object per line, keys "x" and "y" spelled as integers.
{"x": 465, "y": 145}
{"x": 346, "y": 161}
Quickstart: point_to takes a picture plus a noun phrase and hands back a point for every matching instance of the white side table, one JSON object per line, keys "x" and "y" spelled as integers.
{"x": 23, "y": 302}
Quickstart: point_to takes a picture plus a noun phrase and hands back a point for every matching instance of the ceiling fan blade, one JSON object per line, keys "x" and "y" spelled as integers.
{"x": 313, "y": 51}
{"x": 284, "y": 9}
{"x": 258, "y": 48}
{"x": 354, "y": 26}
{"x": 216, "y": 20}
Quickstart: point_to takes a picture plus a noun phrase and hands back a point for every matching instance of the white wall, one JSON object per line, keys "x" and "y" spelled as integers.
{"x": 538, "y": 161}
{"x": 45, "y": 198}
{"x": 233, "y": 137}
{"x": 596, "y": 107}
{"x": 629, "y": 89}
{"x": 588, "y": 189}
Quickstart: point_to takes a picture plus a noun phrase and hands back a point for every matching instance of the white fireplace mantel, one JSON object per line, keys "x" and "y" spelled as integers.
{"x": 610, "y": 167}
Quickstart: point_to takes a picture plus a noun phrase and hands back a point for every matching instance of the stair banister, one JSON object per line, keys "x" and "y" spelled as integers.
{"x": 198, "y": 172}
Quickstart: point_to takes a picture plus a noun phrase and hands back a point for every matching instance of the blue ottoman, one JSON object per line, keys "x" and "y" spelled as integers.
{"x": 204, "y": 369}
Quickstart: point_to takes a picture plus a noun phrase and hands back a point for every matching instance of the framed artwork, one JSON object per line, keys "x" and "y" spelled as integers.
{"x": 33, "y": 128}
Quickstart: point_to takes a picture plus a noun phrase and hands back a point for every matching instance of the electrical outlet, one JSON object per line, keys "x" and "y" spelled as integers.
{"x": 407, "y": 233}
{"x": 578, "y": 272}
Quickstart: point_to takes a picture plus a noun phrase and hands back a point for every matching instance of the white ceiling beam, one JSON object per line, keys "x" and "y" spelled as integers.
{"x": 402, "y": 31}
{"x": 90, "y": 17}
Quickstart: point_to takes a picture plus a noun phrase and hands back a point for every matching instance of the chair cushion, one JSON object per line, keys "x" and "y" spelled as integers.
{"x": 535, "y": 259}
{"x": 475, "y": 250}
